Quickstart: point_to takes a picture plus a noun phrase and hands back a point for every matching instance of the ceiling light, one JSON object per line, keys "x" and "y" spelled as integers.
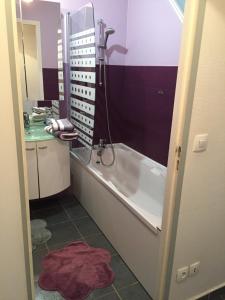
{"x": 28, "y": 1}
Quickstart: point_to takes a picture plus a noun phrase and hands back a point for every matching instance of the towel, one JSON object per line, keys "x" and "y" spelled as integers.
{"x": 39, "y": 110}
{"x": 62, "y": 129}
{"x": 38, "y": 117}
{"x": 49, "y": 129}
{"x": 65, "y": 135}
{"x": 62, "y": 125}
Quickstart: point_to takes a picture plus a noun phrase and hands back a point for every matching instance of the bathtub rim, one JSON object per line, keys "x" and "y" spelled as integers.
{"x": 117, "y": 194}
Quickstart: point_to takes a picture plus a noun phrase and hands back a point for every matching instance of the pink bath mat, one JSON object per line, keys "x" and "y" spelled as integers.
{"x": 76, "y": 270}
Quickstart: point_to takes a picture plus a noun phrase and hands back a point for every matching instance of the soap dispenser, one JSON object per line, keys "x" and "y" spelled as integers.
{"x": 26, "y": 120}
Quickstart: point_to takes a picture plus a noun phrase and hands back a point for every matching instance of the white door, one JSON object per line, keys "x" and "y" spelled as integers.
{"x": 54, "y": 167}
{"x": 32, "y": 170}
{"x": 187, "y": 72}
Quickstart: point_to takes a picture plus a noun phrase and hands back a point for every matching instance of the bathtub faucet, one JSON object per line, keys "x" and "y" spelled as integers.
{"x": 101, "y": 147}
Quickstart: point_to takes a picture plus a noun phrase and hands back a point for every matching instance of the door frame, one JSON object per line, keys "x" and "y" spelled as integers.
{"x": 187, "y": 72}
{"x": 189, "y": 56}
{"x": 17, "y": 104}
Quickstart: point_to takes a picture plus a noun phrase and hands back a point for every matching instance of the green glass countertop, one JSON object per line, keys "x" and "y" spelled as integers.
{"x": 37, "y": 133}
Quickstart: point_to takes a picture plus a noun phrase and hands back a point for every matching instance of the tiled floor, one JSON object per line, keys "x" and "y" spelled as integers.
{"x": 68, "y": 221}
{"x": 217, "y": 295}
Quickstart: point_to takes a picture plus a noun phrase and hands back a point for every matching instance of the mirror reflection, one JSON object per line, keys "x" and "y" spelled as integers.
{"x": 40, "y": 46}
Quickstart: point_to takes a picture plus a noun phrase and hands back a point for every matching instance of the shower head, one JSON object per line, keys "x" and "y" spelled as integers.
{"x": 108, "y": 32}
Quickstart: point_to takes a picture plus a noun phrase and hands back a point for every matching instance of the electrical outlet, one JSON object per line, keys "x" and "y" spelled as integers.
{"x": 182, "y": 273}
{"x": 194, "y": 268}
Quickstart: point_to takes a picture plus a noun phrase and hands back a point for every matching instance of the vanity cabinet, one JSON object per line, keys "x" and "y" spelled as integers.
{"x": 48, "y": 167}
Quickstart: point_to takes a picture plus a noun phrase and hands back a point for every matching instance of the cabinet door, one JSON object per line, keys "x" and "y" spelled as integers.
{"x": 53, "y": 167}
{"x": 32, "y": 170}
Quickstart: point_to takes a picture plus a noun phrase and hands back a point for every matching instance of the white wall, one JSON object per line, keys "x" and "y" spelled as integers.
{"x": 201, "y": 224}
{"x": 153, "y": 33}
{"x": 13, "y": 282}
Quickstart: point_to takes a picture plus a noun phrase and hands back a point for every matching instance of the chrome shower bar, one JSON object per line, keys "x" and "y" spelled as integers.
{"x": 101, "y": 50}
{"x": 102, "y": 46}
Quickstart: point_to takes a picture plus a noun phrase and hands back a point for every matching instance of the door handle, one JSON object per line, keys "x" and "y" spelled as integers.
{"x": 30, "y": 149}
{"x": 42, "y": 147}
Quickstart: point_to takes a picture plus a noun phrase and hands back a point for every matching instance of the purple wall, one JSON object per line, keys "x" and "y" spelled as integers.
{"x": 141, "y": 92}
{"x": 50, "y": 84}
{"x": 147, "y": 108}
{"x": 51, "y": 90}
{"x": 140, "y": 108}
{"x": 142, "y": 80}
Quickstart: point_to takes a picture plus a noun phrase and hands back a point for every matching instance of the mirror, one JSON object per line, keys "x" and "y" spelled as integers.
{"x": 41, "y": 51}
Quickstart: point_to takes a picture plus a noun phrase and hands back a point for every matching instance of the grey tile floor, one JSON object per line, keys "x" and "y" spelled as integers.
{"x": 68, "y": 221}
{"x": 217, "y": 295}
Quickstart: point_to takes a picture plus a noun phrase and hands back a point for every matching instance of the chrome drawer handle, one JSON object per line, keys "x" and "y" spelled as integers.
{"x": 30, "y": 149}
{"x": 42, "y": 147}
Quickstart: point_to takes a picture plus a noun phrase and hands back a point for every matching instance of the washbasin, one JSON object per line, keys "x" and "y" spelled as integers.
{"x": 32, "y": 131}
{"x": 37, "y": 133}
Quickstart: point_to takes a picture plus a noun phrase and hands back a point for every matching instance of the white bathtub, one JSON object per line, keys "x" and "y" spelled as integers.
{"x": 126, "y": 201}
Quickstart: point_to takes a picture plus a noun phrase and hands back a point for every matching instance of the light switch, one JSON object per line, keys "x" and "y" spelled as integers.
{"x": 200, "y": 142}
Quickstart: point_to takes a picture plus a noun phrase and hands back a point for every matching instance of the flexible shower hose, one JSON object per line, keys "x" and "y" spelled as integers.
{"x": 107, "y": 119}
